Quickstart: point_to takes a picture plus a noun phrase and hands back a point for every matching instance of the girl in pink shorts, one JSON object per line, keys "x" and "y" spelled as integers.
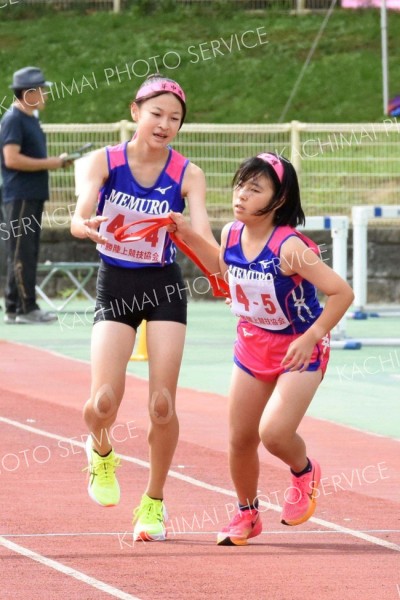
{"x": 282, "y": 346}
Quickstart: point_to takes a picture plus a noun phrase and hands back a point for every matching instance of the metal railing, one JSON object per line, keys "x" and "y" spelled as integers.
{"x": 338, "y": 165}
{"x": 117, "y": 6}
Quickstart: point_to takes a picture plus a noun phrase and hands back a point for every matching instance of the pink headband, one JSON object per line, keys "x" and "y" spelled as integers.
{"x": 161, "y": 86}
{"x": 275, "y": 163}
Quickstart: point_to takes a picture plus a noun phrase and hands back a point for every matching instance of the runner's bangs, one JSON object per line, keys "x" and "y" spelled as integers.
{"x": 252, "y": 169}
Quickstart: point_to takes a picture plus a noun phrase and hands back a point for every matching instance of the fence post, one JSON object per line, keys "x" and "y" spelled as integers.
{"x": 117, "y": 6}
{"x": 124, "y": 133}
{"x": 295, "y": 154}
{"x": 300, "y": 6}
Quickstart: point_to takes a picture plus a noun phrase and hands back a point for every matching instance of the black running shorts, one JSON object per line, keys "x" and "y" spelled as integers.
{"x": 132, "y": 295}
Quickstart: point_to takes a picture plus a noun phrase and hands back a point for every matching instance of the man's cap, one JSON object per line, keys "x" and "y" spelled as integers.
{"x": 29, "y": 77}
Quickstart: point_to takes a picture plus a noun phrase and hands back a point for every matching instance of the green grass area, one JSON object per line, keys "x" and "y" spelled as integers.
{"x": 226, "y": 82}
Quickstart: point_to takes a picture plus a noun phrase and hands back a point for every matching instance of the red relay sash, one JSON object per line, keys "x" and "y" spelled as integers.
{"x": 219, "y": 286}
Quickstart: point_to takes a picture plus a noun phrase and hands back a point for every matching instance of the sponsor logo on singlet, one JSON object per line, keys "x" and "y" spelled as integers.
{"x": 163, "y": 190}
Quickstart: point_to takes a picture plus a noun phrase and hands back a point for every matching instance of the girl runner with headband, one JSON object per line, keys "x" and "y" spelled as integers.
{"x": 282, "y": 346}
{"x": 129, "y": 182}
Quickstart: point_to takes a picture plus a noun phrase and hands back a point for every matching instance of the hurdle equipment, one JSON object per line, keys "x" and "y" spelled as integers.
{"x": 339, "y": 227}
{"x": 361, "y": 215}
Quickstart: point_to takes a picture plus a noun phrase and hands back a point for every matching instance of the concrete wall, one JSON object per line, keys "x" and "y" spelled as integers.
{"x": 383, "y": 261}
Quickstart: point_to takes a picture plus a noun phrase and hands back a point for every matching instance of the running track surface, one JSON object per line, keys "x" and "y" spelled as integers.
{"x": 56, "y": 543}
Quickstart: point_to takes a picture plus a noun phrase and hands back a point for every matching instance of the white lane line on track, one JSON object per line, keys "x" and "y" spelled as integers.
{"x": 213, "y": 488}
{"x": 54, "y": 564}
{"x": 119, "y": 533}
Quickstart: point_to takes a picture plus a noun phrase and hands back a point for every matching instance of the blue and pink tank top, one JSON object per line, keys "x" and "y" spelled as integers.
{"x": 260, "y": 292}
{"x": 123, "y": 200}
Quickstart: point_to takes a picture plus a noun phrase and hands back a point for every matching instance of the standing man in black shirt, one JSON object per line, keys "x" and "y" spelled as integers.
{"x": 24, "y": 167}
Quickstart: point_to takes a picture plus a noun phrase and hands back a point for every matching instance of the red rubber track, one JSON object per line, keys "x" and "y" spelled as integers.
{"x": 45, "y": 507}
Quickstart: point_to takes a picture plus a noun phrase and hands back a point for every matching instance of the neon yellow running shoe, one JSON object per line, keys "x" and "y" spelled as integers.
{"x": 150, "y": 519}
{"x": 103, "y": 486}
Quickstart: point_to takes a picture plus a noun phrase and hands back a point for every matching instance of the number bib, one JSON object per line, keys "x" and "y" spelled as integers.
{"x": 148, "y": 250}
{"x": 254, "y": 298}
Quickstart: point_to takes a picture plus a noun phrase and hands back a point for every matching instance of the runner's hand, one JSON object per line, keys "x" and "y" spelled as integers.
{"x": 91, "y": 227}
{"x": 298, "y": 355}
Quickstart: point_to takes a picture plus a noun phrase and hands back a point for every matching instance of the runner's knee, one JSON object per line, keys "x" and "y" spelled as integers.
{"x": 161, "y": 407}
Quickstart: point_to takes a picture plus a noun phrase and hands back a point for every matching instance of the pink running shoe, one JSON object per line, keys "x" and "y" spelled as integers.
{"x": 244, "y": 525}
{"x": 300, "y": 498}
